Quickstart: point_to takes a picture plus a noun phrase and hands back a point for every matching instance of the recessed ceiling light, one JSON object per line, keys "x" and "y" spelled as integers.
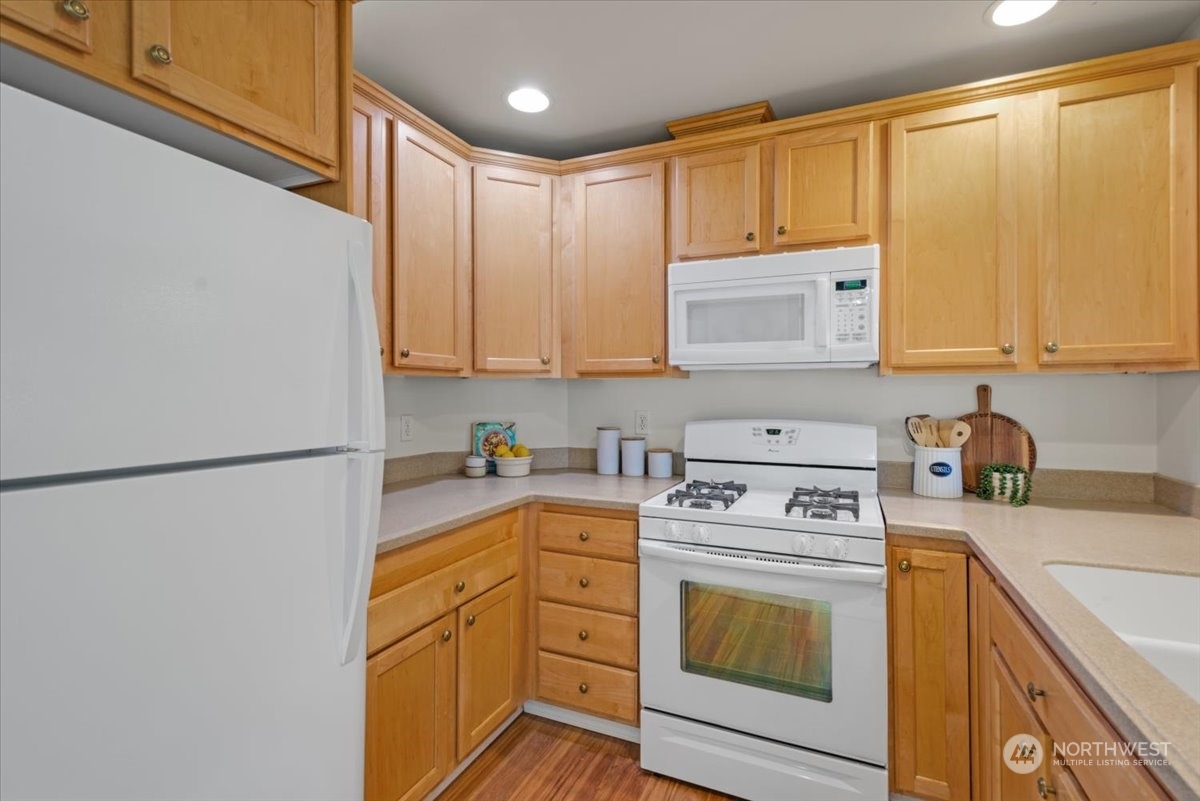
{"x": 1007, "y": 13}
{"x": 529, "y": 100}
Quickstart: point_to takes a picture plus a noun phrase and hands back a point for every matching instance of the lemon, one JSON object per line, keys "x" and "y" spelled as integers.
{"x": 506, "y": 455}
{"x": 500, "y": 450}
{"x": 520, "y": 450}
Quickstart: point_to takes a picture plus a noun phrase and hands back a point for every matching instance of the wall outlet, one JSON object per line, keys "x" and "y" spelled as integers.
{"x": 641, "y": 423}
{"x": 406, "y": 428}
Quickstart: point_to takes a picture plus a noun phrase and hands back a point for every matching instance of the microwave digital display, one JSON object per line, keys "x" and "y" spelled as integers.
{"x": 859, "y": 283}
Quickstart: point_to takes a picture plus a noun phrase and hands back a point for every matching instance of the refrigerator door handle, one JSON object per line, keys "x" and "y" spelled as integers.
{"x": 367, "y": 432}
{"x": 364, "y": 487}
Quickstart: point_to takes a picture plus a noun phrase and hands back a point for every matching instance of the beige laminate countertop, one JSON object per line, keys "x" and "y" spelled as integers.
{"x": 1015, "y": 544}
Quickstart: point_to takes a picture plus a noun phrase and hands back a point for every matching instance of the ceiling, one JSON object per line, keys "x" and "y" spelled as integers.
{"x": 617, "y": 70}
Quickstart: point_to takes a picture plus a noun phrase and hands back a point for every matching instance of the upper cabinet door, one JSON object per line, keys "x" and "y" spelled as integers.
{"x": 823, "y": 185}
{"x": 716, "y": 202}
{"x": 369, "y": 179}
{"x": 514, "y": 287}
{"x": 267, "y": 65}
{"x": 66, "y": 21}
{"x": 431, "y": 231}
{"x": 1117, "y": 277}
{"x": 952, "y": 267}
{"x": 620, "y": 269}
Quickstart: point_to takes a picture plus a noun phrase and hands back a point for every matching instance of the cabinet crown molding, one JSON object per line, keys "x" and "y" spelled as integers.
{"x": 737, "y": 117}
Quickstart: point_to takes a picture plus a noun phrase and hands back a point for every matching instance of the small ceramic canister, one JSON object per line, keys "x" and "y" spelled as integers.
{"x": 633, "y": 456}
{"x": 661, "y": 461}
{"x": 476, "y": 466}
{"x": 608, "y": 450}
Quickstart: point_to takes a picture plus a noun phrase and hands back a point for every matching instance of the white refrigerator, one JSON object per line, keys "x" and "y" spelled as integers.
{"x": 191, "y": 456}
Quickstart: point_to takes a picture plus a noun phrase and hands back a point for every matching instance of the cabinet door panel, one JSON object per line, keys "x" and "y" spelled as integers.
{"x": 431, "y": 231}
{"x": 716, "y": 203}
{"x": 369, "y": 179}
{"x": 490, "y": 647}
{"x": 952, "y": 261}
{"x": 1117, "y": 278}
{"x": 513, "y": 271}
{"x": 823, "y": 185}
{"x": 282, "y": 82}
{"x": 410, "y": 714}
{"x": 68, "y": 23}
{"x": 620, "y": 270}
{"x": 1011, "y": 716}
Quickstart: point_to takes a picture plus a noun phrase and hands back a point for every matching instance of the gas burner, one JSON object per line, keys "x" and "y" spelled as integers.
{"x": 822, "y": 504}
{"x": 702, "y": 494}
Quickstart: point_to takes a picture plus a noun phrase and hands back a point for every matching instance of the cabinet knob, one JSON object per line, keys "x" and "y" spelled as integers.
{"x": 583, "y": 536}
{"x": 1007, "y": 348}
{"x": 160, "y": 54}
{"x": 656, "y": 358}
{"x": 381, "y": 350}
{"x": 76, "y": 9}
{"x": 460, "y": 586}
{"x": 905, "y": 565}
{"x": 583, "y": 582}
{"x": 781, "y": 230}
{"x": 1033, "y": 692}
{"x": 404, "y": 353}
{"x": 583, "y": 687}
{"x": 1051, "y": 347}
{"x": 583, "y": 635}
{"x": 1045, "y": 790}
{"x": 545, "y": 360}
{"x": 750, "y": 237}
{"x": 470, "y": 620}
{"x": 446, "y": 635}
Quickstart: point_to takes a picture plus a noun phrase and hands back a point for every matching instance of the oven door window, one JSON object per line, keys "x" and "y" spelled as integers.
{"x": 775, "y": 642}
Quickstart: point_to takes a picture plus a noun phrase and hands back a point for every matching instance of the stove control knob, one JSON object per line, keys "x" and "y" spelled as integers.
{"x": 675, "y": 530}
{"x": 802, "y": 543}
{"x": 836, "y": 549}
{"x": 700, "y": 534}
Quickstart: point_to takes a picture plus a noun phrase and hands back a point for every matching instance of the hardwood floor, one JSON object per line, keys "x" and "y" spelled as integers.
{"x": 540, "y": 760}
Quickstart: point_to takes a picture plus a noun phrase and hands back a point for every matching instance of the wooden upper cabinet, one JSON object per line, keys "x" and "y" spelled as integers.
{"x": 1117, "y": 279}
{"x": 431, "y": 232}
{"x": 514, "y": 286}
{"x": 369, "y": 125}
{"x": 620, "y": 270}
{"x": 823, "y": 185}
{"x": 270, "y": 66}
{"x": 68, "y": 22}
{"x": 490, "y": 650}
{"x": 716, "y": 203}
{"x": 952, "y": 259}
{"x": 930, "y": 674}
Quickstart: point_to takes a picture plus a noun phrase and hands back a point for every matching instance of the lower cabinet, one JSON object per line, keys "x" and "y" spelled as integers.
{"x": 488, "y": 660}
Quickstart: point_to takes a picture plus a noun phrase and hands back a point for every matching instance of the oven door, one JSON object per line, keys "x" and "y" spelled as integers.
{"x": 753, "y": 321}
{"x": 775, "y": 646}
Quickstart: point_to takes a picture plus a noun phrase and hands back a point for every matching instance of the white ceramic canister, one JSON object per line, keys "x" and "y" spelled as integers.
{"x": 937, "y": 472}
{"x": 608, "y": 450}
{"x": 633, "y": 456}
{"x": 661, "y": 462}
{"x": 475, "y": 466}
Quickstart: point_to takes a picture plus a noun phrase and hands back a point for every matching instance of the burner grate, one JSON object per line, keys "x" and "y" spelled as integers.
{"x": 823, "y": 504}
{"x": 704, "y": 494}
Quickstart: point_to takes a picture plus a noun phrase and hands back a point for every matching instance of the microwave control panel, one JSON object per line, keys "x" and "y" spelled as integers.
{"x": 852, "y": 311}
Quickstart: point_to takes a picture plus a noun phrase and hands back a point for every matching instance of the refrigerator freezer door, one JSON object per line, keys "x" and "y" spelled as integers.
{"x": 156, "y": 308}
{"x": 187, "y": 635}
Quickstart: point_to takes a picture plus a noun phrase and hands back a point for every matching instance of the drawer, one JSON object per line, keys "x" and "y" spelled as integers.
{"x": 588, "y": 536}
{"x": 594, "y": 583}
{"x": 1065, "y": 711}
{"x": 588, "y": 634}
{"x": 587, "y": 686}
{"x": 392, "y": 615}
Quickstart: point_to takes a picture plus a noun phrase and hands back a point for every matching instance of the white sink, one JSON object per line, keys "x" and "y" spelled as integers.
{"x": 1157, "y": 614}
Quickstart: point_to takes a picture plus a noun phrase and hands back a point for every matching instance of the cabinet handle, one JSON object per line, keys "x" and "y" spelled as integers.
{"x": 446, "y": 635}
{"x": 583, "y": 687}
{"x": 781, "y": 230}
{"x": 460, "y": 586}
{"x": 1007, "y": 348}
{"x": 583, "y": 635}
{"x": 583, "y": 582}
{"x": 76, "y": 9}
{"x": 750, "y": 237}
{"x": 1051, "y": 347}
{"x": 470, "y": 620}
{"x": 905, "y": 565}
{"x": 381, "y": 350}
{"x": 545, "y": 360}
{"x": 656, "y": 358}
{"x": 404, "y": 353}
{"x": 159, "y": 53}
{"x": 583, "y": 536}
{"x": 1033, "y": 692}
{"x": 1045, "y": 789}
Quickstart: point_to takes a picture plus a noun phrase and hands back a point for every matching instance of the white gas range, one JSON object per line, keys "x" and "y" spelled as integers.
{"x": 763, "y": 644}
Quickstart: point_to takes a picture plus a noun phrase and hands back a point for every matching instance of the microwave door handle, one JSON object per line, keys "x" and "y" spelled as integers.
{"x": 687, "y": 555}
{"x": 824, "y": 299}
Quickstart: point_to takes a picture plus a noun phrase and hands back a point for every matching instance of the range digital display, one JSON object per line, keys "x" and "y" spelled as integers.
{"x": 858, "y": 283}
{"x": 774, "y": 432}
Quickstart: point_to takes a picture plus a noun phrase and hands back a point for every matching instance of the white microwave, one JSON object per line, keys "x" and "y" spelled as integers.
{"x": 815, "y": 308}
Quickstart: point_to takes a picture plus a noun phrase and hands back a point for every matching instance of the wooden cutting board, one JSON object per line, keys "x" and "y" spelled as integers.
{"x": 994, "y": 438}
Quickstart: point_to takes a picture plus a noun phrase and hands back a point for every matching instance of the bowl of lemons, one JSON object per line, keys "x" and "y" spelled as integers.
{"x": 512, "y": 462}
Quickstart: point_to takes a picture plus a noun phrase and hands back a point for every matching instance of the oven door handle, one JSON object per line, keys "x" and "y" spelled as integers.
{"x": 784, "y": 567}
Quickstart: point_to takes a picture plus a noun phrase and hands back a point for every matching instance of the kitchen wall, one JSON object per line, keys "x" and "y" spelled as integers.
{"x": 1178, "y": 415}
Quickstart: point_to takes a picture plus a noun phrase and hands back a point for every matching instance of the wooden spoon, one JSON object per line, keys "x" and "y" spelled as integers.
{"x": 945, "y": 429}
{"x": 960, "y": 433}
{"x": 929, "y": 427}
{"x": 915, "y": 433}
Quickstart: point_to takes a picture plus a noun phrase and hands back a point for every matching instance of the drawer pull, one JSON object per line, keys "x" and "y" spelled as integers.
{"x": 159, "y": 53}
{"x": 76, "y": 9}
{"x": 470, "y": 620}
{"x": 460, "y": 586}
{"x": 583, "y": 536}
{"x": 1045, "y": 790}
{"x": 583, "y": 582}
{"x": 583, "y": 688}
{"x": 1033, "y": 692}
{"x": 583, "y": 635}
{"x": 446, "y": 635}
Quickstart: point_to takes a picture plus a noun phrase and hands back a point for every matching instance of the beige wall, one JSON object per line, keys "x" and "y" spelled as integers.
{"x": 1178, "y": 417}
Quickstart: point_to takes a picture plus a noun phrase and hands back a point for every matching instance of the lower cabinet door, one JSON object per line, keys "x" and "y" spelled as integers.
{"x": 489, "y": 650}
{"x": 1020, "y": 749}
{"x": 410, "y": 714}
